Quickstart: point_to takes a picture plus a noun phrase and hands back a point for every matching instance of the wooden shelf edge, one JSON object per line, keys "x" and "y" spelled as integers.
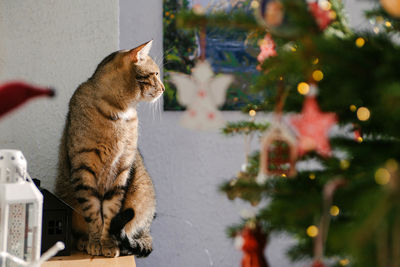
{"x": 79, "y": 259}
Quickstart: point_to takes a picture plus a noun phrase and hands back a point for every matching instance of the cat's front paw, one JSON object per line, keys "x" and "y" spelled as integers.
{"x": 142, "y": 251}
{"x": 109, "y": 248}
{"x": 142, "y": 246}
{"x": 93, "y": 248}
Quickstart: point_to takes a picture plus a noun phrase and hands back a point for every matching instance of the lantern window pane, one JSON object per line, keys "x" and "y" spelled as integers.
{"x": 21, "y": 231}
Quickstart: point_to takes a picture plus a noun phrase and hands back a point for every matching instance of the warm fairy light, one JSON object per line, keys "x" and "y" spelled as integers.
{"x": 252, "y": 113}
{"x": 382, "y": 176}
{"x": 360, "y": 139}
{"x": 353, "y": 108}
{"x": 344, "y": 164}
{"x": 344, "y": 262}
{"x": 303, "y": 88}
{"x": 312, "y": 231}
{"x": 392, "y": 165}
{"x": 311, "y": 176}
{"x": 360, "y": 42}
{"x": 363, "y": 114}
{"x": 332, "y": 15}
{"x": 376, "y": 30}
{"x": 325, "y": 5}
{"x": 388, "y": 24}
{"x": 317, "y": 75}
{"x": 283, "y": 175}
{"x": 254, "y": 4}
{"x": 334, "y": 210}
{"x": 315, "y": 61}
{"x": 281, "y": 78}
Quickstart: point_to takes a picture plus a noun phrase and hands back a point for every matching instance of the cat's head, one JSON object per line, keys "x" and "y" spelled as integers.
{"x": 132, "y": 73}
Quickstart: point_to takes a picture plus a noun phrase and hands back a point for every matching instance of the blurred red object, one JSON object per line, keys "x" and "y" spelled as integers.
{"x": 254, "y": 242}
{"x": 14, "y": 94}
{"x": 317, "y": 263}
{"x": 321, "y": 16}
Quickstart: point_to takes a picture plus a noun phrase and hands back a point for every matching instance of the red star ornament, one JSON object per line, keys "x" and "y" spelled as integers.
{"x": 313, "y": 127}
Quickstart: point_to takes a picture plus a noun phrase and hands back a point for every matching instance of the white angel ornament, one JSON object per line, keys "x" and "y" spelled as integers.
{"x": 202, "y": 93}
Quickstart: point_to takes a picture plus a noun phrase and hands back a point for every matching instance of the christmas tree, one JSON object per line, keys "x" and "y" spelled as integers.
{"x": 337, "y": 194}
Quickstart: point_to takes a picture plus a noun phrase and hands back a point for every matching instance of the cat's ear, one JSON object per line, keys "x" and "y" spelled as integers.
{"x": 140, "y": 53}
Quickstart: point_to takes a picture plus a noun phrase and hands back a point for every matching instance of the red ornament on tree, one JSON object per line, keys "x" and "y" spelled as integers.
{"x": 254, "y": 242}
{"x": 267, "y": 48}
{"x": 313, "y": 127}
{"x": 14, "y": 94}
{"x": 321, "y": 16}
{"x": 357, "y": 133}
{"x": 317, "y": 263}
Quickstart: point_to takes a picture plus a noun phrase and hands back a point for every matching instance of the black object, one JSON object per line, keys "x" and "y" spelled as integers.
{"x": 56, "y": 222}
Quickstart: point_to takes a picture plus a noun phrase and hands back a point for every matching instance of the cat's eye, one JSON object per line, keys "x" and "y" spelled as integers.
{"x": 142, "y": 77}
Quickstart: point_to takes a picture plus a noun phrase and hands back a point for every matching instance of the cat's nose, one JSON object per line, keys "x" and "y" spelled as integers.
{"x": 162, "y": 87}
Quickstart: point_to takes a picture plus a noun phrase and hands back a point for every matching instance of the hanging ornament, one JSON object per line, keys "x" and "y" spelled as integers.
{"x": 392, "y": 7}
{"x": 313, "y": 126}
{"x": 202, "y": 93}
{"x": 273, "y": 15}
{"x": 272, "y": 12}
{"x": 317, "y": 263}
{"x": 278, "y": 152}
{"x": 267, "y": 48}
{"x": 14, "y": 94}
{"x": 322, "y": 16}
{"x": 320, "y": 239}
{"x": 357, "y": 133}
{"x": 253, "y": 242}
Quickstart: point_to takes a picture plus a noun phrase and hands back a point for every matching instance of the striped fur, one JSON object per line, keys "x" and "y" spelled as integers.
{"x": 101, "y": 172}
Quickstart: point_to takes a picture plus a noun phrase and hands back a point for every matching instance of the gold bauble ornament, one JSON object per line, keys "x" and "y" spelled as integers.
{"x": 392, "y": 7}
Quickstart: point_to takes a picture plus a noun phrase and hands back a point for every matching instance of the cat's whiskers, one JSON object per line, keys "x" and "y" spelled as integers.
{"x": 159, "y": 104}
{"x": 156, "y": 107}
{"x": 161, "y": 63}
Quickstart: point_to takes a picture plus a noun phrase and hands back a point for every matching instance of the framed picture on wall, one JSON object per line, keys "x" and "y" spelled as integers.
{"x": 229, "y": 51}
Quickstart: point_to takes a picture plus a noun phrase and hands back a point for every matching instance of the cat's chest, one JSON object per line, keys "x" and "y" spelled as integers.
{"x": 127, "y": 121}
{"x": 127, "y": 115}
{"x": 126, "y": 124}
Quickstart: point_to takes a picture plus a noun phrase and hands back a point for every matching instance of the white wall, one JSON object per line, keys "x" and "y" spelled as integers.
{"x": 50, "y": 43}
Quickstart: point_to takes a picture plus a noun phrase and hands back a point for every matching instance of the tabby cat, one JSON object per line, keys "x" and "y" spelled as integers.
{"x": 101, "y": 172}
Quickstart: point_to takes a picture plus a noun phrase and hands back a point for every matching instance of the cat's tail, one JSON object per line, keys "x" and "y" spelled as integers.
{"x": 118, "y": 222}
{"x": 128, "y": 245}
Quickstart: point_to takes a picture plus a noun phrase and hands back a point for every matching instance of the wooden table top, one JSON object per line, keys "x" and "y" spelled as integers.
{"x": 80, "y": 259}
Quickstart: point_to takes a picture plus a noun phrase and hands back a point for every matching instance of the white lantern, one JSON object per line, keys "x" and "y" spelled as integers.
{"x": 20, "y": 213}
